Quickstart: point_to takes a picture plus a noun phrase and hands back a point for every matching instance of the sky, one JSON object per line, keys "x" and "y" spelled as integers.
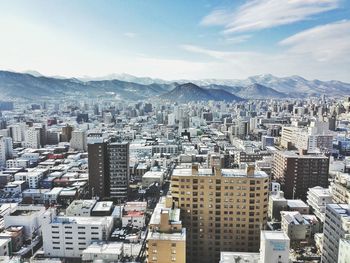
{"x": 179, "y": 39}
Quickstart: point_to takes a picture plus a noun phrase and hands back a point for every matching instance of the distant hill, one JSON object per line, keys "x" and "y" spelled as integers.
{"x": 253, "y": 91}
{"x": 190, "y": 92}
{"x": 33, "y": 85}
{"x": 22, "y": 85}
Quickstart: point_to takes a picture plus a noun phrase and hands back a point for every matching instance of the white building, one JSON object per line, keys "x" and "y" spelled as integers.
{"x": 274, "y": 247}
{"x": 336, "y": 227}
{"x": 28, "y": 216}
{"x": 78, "y": 141}
{"x": 299, "y": 227}
{"x": 80, "y": 208}
{"x": 134, "y": 218}
{"x": 17, "y": 163}
{"x": 17, "y": 132}
{"x": 68, "y": 237}
{"x": 317, "y": 198}
{"x": 6, "y": 150}
{"x": 32, "y": 138}
{"x": 151, "y": 177}
{"x": 32, "y": 178}
{"x": 344, "y": 250}
{"x": 5, "y": 247}
{"x": 108, "y": 252}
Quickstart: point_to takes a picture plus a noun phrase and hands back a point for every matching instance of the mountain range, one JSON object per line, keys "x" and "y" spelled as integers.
{"x": 33, "y": 85}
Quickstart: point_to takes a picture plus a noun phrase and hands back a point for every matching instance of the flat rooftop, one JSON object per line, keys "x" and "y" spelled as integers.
{"x": 115, "y": 248}
{"x": 224, "y": 172}
{"x": 246, "y": 257}
{"x": 341, "y": 209}
{"x": 296, "y": 203}
{"x": 103, "y": 206}
{"x": 81, "y": 220}
{"x": 274, "y": 235}
{"x": 177, "y": 236}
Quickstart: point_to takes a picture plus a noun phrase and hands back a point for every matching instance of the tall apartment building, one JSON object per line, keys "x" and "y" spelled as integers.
{"x": 108, "y": 168}
{"x": 32, "y": 138}
{"x": 98, "y": 167}
{"x": 119, "y": 174}
{"x": 297, "y": 173}
{"x": 336, "y": 227}
{"x": 166, "y": 239}
{"x": 222, "y": 209}
{"x": 78, "y": 140}
{"x": 6, "y": 150}
{"x": 17, "y": 132}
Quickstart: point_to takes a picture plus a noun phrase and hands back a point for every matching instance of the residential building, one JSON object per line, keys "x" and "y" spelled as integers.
{"x": 317, "y": 198}
{"x": 297, "y": 173}
{"x": 223, "y": 209}
{"x": 336, "y": 227}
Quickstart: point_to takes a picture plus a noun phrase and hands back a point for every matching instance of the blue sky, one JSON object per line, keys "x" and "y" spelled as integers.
{"x": 177, "y": 39}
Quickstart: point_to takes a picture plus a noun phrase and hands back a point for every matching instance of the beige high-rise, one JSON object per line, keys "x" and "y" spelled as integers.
{"x": 222, "y": 209}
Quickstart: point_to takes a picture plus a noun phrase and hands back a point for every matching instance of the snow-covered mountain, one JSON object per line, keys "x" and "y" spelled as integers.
{"x": 293, "y": 85}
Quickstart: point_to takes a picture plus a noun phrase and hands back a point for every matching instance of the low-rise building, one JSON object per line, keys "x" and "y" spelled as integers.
{"x": 299, "y": 227}
{"x": 68, "y": 237}
{"x": 80, "y": 208}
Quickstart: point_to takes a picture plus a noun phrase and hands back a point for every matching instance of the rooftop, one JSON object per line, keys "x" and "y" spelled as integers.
{"x": 177, "y": 236}
{"x": 341, "y": 209}
{"x": 239, "y": 257}
{"x": 224, "y": 172}
{"x": 103, "y": 206}
{"x": 99, "y": 221}
{"x": 274, "y": 235}
{"x": 296, "y": 203}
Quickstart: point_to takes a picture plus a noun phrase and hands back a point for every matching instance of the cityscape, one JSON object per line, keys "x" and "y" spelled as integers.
{"x": 227, "y": 140}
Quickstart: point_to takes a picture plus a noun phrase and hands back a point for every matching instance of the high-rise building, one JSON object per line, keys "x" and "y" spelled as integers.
{"x": 166, "y": 239}
{"x": 108, "y": 168}
{"x": 5, "y": 150}
{"x": 222, "y": 209}
{"x": 297, "y": 173}
{"x": 118, "y": 166}
{"x": 32, "y": 138}
{"x": 78, "y": 140}
{"x": 66, "y": 134}
{"x": 336, "y": 227}
{"x": 98, "y": 166}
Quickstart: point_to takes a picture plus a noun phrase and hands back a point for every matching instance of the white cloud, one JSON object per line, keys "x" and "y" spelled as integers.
{"x": 237, "y": 39}
{"x": 261, "y": 14}
{"x": 323, "y": 43}
{"x": 237, "y": 64}
{"x": 130, "y": 34}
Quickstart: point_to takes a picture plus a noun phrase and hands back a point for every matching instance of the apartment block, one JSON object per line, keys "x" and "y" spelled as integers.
{"x": 317, "y": 198}
{"x": 222, "y": 209}
{"x": 298, "y": 172}
{"x": 336, "y": 227}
